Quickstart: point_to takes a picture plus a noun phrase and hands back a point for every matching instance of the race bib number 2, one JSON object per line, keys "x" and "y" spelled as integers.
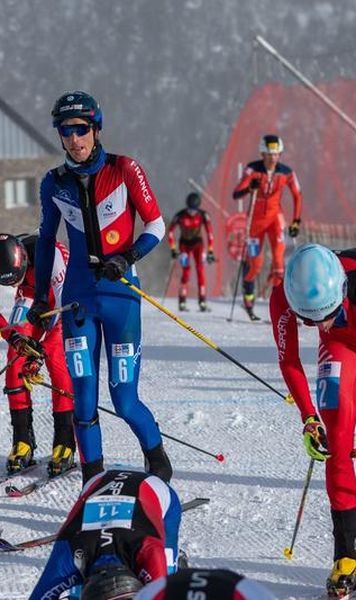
{"x": 78, "y": 358}
{"x": 327, "y": 385}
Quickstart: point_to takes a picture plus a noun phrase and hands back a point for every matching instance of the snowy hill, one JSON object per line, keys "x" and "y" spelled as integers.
{"x": 204, "y": 399}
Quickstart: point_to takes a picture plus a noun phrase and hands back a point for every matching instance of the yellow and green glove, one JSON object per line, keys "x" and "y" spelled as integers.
{"x": 314, "y": 438}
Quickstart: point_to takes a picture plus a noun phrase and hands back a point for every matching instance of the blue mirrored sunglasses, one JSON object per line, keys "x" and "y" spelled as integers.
{"x": 79, "y": 129}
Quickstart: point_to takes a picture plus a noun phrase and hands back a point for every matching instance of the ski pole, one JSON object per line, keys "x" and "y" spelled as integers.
{"x": 74, "y": 306}
{"x": 168, "y": 280}
{"x": 54, "y": 388}
{"x": 288, "y": 552}
{"x": 288, "y": 398}
{"x": 9, "y": 363}
{"x": 203, "y": 338}
{"x": 244, "y": 248}
{"x": 219, "y": 457}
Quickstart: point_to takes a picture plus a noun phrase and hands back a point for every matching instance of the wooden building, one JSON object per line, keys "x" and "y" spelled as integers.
{"x": 25, "y": 156}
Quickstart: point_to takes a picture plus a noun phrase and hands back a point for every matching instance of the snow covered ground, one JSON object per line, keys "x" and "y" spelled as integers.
{"x": 199, "y": 396}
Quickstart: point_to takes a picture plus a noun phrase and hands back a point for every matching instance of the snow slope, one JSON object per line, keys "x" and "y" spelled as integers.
{"x": 199, "y": 396}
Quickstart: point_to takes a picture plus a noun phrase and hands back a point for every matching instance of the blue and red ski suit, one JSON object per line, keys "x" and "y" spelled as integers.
{"x": 99, "y": 211}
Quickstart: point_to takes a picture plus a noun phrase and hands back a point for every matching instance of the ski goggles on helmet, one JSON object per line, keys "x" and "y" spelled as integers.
{"x": 333, "y": 315}
{"x": 79, "y": 129}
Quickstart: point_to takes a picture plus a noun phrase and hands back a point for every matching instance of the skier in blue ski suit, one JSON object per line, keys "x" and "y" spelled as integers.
{"x": 98, "y": 196}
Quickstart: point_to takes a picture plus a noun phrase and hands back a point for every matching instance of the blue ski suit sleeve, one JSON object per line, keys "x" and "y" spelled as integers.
{"x": 60, "y": 574}
{"x": 45, "y": 247}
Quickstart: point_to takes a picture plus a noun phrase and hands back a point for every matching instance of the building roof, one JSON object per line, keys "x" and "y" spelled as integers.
{"x": 20, "y": 139}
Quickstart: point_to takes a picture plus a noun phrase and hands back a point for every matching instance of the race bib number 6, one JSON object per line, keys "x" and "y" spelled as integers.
{"x": 123, "y": 365}
{"x": 78, "y": 358}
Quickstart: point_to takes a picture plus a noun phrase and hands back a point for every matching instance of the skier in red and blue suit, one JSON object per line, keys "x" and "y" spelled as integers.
{"x": 98, "y": 196}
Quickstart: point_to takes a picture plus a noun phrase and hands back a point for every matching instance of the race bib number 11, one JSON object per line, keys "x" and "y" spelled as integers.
{"x": 102, "y": 512}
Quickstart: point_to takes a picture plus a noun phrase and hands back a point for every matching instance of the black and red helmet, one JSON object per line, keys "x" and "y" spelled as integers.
{"x": 77, "y": 104}
{"x": 13, "y": 260}
{"x": 111, "y": 583}
{"x": 193, "y": 201}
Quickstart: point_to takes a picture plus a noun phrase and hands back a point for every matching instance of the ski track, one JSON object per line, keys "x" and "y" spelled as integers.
{"x": 199, "y": 396}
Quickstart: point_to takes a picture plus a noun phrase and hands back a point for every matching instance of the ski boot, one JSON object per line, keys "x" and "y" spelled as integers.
{"x": 23, "y": 441}
{"x": 249, "y": 301}
{"x": 158, "y": 463}
{"x": 20, "y": 457}
{"x": 182, "y": 303}
{"x": 342, "y": 580}
{"x": 62, "y": 460}
{"x": 91, "y": 469}
{"x": 63, "y": 444}
{"x": 202, "y": 304}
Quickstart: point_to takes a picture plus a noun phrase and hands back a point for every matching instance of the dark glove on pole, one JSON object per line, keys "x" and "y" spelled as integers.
{"x": 210, "y": 257}
{"x": 254, "y": 184}
{"x": 25, "y": 345}
{"x": 294, "y": 228}
{"x": 34, "y": 315}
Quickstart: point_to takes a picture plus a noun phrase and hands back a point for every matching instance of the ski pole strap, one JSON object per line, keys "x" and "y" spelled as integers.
{"x": 198, "y": 334}
{"x": 74, "y": 306}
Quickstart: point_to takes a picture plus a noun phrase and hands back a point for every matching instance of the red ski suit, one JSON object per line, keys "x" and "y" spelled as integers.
{"x": 336, "y": 382}
{"x": 191, "y": 222}
{"x": 52, "y": 342}
{"x": 268, "y": 218}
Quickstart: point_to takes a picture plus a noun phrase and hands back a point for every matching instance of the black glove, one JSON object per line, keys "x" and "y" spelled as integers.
{"x": 37, "y": 309}
{"x": 174, "y": 253}
{"x": 210, "y": 257}
{"x": 113, "y": 269}
{"x": 293, "y": 228}
{"x": 254, "y": 184}
{"x": 25, "y": 345}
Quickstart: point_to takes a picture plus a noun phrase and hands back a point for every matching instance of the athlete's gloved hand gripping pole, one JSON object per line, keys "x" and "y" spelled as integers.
{"x": 94, "y": 260}
{"x": 74, "y": 306}
{"x": 39, "y": 313}
{"x": 24, "y": 345}
{"x": 316, "y": 445}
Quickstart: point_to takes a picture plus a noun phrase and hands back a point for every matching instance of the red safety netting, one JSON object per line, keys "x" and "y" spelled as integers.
{"x": 319, "y": 146}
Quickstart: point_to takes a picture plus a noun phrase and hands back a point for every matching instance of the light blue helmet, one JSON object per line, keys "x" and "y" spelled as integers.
{"x": 314, "y": 282}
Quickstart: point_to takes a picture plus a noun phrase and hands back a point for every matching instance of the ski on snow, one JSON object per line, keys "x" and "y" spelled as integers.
{"x": 12, "y": 491}
{"x": 6, "y": 546}
{"x": 194, "y": 503}
{"x": 5, "y": 476}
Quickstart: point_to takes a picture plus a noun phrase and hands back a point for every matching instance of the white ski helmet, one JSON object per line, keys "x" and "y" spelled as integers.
{"x": 314, "y": 282}
{"x": 271, "y": 144}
